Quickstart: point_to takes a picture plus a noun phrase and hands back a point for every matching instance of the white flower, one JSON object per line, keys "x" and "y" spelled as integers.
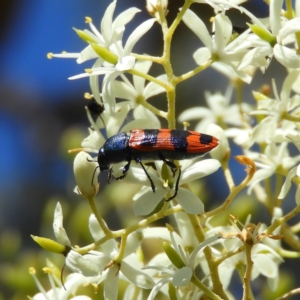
{"x": 110, "y": 38}
{"x": 58, "y": 228}
{"x": 86, "y": 173}
{"x": 153, "y": 7}
{"x": 218, "y": 47}
{"x": 265, "y": 259}
{"x": 179, "y": 276}
{"x": 275, "y": 110}
{"x": 219, "y": 111}
{"x": 265, "y": 262}
{"x": 98, "y": 266}
{"x": 288, "y": 182}
{"x": 146, "y": 200}
{"x": 282, "y": 32}
{"x": 136, "y": 92}
{"x": 220, "y": 5}
{"x": 275, "y": 157}
{"x": 59, "y": 291}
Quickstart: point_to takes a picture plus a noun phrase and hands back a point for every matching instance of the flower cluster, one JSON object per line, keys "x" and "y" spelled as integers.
{"x": 202, "y": 248}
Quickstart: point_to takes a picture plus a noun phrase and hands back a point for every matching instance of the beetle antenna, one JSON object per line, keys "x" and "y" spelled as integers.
{"x": 94, "y": 175}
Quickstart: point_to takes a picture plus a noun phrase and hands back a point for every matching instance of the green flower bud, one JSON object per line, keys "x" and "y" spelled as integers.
{"x": 263, "y": 34}
{"x": 173, "y": 256}
{"x": 49, "y": 245}
{"x": 105, "y": 54}
{"x": 259, "y": 96}
{"x": 84, "y": 36}
{"x": 165, "y": 172}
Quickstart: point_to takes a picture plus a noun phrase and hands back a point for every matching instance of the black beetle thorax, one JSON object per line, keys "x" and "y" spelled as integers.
{"x": 114, "y": 150}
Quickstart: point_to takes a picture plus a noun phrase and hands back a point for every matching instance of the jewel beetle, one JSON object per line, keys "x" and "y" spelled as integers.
{"x": 153, "y": 144}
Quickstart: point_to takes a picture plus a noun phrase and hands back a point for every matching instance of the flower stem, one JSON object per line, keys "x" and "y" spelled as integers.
{"x": 214, "y": 273}
{"x": 247, "y": 295}
{"x": 97, "y": 215}
{"x": 205, "y": 289}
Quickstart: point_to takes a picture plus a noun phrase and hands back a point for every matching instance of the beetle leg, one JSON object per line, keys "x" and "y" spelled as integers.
{"x": 168, "y": 162}
{"x": 109, "y": 174}
{"x": 125, "y": 170}
{"x": 94, "y": 175}
{"x": 151, "y": 181}
{"x": 173, "y": 167}
{"x": 176, "y": 187}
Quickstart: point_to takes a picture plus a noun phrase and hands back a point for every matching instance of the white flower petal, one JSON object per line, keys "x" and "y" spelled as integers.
{"x": 97, "y": 233}
{"x": 139, "y": 278}
{"x": 153, "y": 89}
{"x": 257, "y": 57}
{"x": 201, "y": 55}
{"x": 138, "y": 81}
{"x": 87, "y": 265}
{"x": 140, "y": 112}
{"x": 158, "y": 287}
{"x": 107, "y": 92}
{"x": 86, "y": 54}
{"x": 147, "y": 202}
{"x": 86, "y": 172}
{"x": 259, "y": 176}
{"x": 189, "y": 201}
{"x": 287, "y": 57}
{"x": 200, "y": 169}
{"x": 194, "y": 113}
{"x": 265, "y": 265}
{"x": 111, "y": 283}
{"x": 93, "y": 141}
{"x": 137, "y": 34}
{"x": 94, "y": 82}
{"x": 161, "y": 233}
{"x": 125, "y": 63}
{"x": 125, "y": 17}
{"x": 287, "y": 86}
{"x": 188, "y": 241}
{"x": 106, "y": 22}
{"x": 275, "y": 15}
{"x": 223, "y": 31}
{"x": 132, "y": 293}
{"x": 58, "y": 227}
{"x": 115, "y": 121}
{"x": 134, "y": 240}
{"x": 287, "y": 184}
{"x": 136, "y": 175}
{"x": 124, "y": 90}
{"x": 291, "y": 27}
{"x": 142, "y": 123}
{"x": 182, "y": 276}
{"x": 198, "y": 27}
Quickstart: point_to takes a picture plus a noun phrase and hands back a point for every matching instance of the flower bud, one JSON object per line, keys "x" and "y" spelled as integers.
{"x": 105, "y": 54}
{"x": 84, "y": 36}
{"x": 49, "y": 245}
{"x": 173, "y": 256}
{"x": 86, "y": 173}
{"x": 152, "y": 7}
{"x": 263, "y": 34}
